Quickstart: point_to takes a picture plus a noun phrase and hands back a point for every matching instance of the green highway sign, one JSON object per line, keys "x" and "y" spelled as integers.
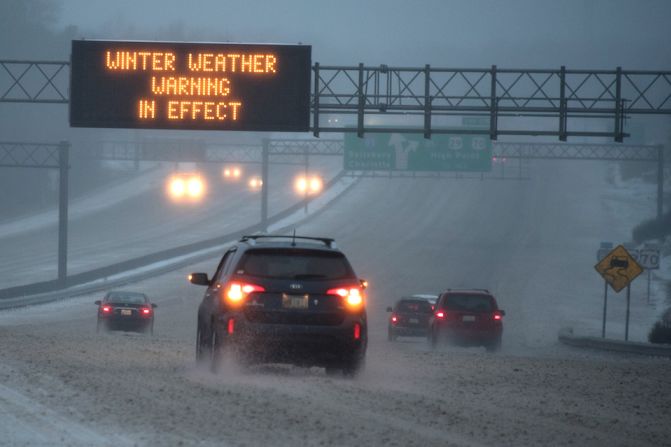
{"x": 475, "y": 121}
{"x": 412, "y": 152}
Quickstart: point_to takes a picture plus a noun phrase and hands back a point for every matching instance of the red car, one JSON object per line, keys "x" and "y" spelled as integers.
{"x": 467, "y": 317}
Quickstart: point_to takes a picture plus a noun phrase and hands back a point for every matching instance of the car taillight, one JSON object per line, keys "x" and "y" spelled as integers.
{"x": 394, "y": 319}
{"x": 107, "y": 309}
{"x": 441, "y": 315}
{"x": 357, "y": 331}
{"x": 352, "y": 294}
{"x": 236, "y": 292}
{"x": 498, "y": 316}
{"x": 230, "y": 328}
{"x": 145, "y": 311}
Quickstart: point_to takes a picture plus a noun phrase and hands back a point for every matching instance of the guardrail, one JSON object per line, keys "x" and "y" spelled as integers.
{"x": 567, "y": 337}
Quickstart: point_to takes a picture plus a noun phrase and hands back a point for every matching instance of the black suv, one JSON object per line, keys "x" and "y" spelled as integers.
{"x": 283, "y": 299}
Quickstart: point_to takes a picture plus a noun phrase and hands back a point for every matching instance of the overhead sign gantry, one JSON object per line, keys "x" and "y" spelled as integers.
{"x": 195, "y": 86}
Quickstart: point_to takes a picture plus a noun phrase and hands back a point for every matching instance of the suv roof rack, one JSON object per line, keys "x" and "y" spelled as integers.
{"x": 329, "y": 242}
{"x": 466, "y": 290}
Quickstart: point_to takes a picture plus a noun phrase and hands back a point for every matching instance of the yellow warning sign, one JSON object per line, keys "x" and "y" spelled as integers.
{"x": 618, "y": 268}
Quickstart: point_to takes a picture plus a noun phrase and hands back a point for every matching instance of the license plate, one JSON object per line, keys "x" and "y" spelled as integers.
{"x": 295, "y": 301}
{"x": 414, "y": 321}
{"x": 468, "y": 318}
{"x": 126, "y": 312}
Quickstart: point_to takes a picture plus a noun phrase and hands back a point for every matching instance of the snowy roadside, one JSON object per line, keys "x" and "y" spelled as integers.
{"x": 626, "y": 203}
{"x": 32, "y": 423}
{"x": 635, "y": 200}
{"x": 88, "y": 204}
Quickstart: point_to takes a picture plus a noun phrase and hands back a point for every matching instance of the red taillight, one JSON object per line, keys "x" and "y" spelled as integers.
{"x": 498, "y": 317}
{"x": 357, "y": 331}
{"x": 352, "y": 294}
{"x": 236, "y": 292}
{"x": 145, "y": 311}
{"x": 394, "y": 319}
{"x": 107, "y": 309}
{"x": 231, "y": 326}
{"x": 441, "y": 315}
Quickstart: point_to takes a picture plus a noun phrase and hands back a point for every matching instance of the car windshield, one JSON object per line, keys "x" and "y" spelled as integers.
{"x": 469, "y": 302}
{"x": 295, "y": 264}
{"x": 415, "y": 306}
{"x": 126, "y": 298}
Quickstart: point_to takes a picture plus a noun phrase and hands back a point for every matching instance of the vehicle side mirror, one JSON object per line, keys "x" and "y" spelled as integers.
{"x": 503, "y": 312}
{"x": 154, "y": 305}
{"x": 98, "y": 302}
{"x": 364, "y": 283}
{"x": 389, "y": 309}
{"x": 199, "y": 279}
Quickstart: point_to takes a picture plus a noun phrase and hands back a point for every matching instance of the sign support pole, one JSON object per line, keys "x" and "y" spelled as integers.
{"x": 264, "y": 184}
{"x": 660, "y": 181}
{"x": 626, "y": 326}
{"x": 305, "y": 197}
{"x": 63, "y": 163}
{"x": 649, "y": 275}
{"x": 605, "y": 306}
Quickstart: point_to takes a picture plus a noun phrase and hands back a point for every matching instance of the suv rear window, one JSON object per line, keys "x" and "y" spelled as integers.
{"x": 469, "y": 302}
{"x": 415, "y": 306}
{"x": 294, "y": 264}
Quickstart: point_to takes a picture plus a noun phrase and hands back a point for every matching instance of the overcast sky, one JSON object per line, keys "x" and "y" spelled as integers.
{"x": 454, "y": 33}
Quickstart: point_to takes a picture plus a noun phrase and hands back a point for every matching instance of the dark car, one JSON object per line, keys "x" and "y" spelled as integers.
{"x": 283, "y": 299}
{"x": 129, "y": 311}
{"x": 661, "y": 330}
{"x": 410, "y": 316}
{"x": 467, "y": 317}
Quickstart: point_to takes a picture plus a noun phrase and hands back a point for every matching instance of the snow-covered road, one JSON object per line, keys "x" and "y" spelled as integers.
{"x": 105, "y": 229}
{"x": 532, "y": 243}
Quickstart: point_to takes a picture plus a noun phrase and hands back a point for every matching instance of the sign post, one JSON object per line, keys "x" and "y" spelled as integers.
{"x": 649, "y": 259}
{"x": 605, "y": 306}
{"x": 603, "y": 251}
{"x": 619, "y": 269}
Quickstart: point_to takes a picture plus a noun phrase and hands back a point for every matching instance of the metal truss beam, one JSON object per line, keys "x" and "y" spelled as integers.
{"x": 498, "y": 173}
{"x": 198, "y": 151}
{"x": 429, "y": 94}
{"x": 29, "y": 155}
{"x": 577, "y": 151}
{"x": 34, "y": 81}
{"x": 424, "y": 96}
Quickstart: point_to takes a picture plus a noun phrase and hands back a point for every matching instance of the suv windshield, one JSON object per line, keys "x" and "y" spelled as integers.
{"x": 415, "y": 306}
{"x": 294, "y": 264}
{"x": 469, "y": 303}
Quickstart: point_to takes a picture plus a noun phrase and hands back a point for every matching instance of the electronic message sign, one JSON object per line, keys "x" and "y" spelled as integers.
{"x": 197, "y": 86}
